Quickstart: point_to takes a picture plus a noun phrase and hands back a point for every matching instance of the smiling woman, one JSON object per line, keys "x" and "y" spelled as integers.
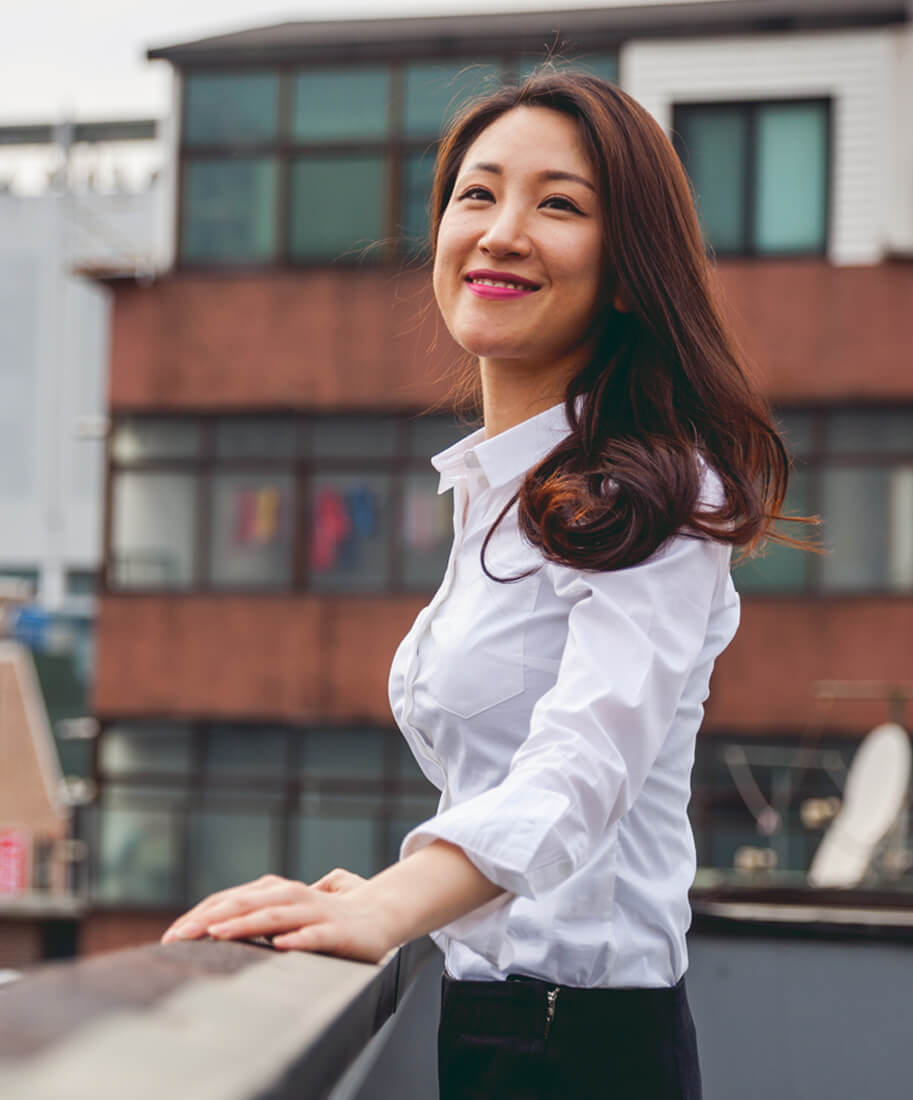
{"x": 553, "y": 687}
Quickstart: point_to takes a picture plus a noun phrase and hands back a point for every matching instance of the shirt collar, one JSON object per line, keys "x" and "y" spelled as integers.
{"x": 508, "y": 455}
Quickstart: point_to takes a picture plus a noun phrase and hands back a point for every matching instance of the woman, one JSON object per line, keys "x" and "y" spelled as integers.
{"x": 553, "y": 687}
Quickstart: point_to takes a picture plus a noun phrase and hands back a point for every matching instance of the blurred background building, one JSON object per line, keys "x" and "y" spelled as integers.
{"x": 270, "y": 521}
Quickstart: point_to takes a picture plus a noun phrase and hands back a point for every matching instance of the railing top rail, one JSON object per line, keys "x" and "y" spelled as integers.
{"x": 215, "y": 1021}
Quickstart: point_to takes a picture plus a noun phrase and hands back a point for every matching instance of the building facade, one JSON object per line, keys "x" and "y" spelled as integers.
{"x": 271, "y": 521}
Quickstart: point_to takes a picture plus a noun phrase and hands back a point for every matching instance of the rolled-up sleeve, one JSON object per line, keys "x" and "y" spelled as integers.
{"x": 634, "y": 637}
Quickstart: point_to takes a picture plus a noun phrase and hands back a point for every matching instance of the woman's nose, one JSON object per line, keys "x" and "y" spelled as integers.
{"x": 506, "y": 234}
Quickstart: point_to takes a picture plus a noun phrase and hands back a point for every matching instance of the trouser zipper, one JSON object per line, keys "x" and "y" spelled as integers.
{"x": 551, "y": 996}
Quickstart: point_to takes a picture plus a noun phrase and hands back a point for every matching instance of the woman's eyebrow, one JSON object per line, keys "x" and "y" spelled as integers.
{"x": 548, "y": 174}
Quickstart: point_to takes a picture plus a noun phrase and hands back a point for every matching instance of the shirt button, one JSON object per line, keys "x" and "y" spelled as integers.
{"x": 472, "y": 460}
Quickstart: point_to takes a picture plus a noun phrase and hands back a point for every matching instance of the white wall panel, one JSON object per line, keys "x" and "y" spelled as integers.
{"x": 858, "y": 70}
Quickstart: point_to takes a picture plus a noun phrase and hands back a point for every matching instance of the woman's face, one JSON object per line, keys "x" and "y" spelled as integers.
{"x": 524, "y": 212}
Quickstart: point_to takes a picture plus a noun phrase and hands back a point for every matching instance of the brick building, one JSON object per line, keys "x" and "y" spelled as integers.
{"x": 272, "y": 525}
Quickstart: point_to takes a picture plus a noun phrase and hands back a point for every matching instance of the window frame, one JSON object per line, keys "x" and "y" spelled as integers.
{"x": 303, "y": 469}
{"x": 750, "y": 110}
{"x": 815, "y": 460}
{"x": 282, "y": 795}
{"x": 395, "y": 148}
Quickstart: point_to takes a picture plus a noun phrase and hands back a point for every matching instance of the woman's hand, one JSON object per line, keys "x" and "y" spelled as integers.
{"x": 336, "y": 916}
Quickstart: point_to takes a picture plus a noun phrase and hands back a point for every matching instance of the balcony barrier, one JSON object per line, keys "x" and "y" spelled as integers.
{"x": 212, "y": 1021}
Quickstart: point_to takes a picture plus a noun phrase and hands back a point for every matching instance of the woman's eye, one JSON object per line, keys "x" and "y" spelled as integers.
{"x": 476, "y": 193}
{"x": 559, "y": 203}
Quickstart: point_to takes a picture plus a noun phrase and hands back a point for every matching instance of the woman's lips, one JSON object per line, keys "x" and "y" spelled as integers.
{"x": 490, "y": 287}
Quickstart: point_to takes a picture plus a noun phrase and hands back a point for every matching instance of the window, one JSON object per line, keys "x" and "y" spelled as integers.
{"x": 854, "y": 467}
{"x": 760, "y": 174}
{"x": 185, "y": 810}
{"x": 283, "y": 503}
{"x": 324, "y": 164}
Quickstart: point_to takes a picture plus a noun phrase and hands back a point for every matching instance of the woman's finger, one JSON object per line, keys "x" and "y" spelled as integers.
{"x": 193, "y": 923}
{"x": 266, "y": 921}
{"x": 338, "y": 881}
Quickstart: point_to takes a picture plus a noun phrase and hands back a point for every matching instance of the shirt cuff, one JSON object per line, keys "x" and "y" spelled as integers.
{"x": 509, "y": 834}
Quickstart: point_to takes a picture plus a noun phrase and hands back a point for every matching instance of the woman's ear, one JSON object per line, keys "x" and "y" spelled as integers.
{"x": 620, "y": 302}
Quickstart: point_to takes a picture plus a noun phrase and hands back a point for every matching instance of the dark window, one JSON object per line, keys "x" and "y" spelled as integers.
{"x": 341, "y": 504}
{"x": 854, "y": 467}
{"x": 760, "y": 174}
{"x": 185, "y": 810}
{"x": 325, "y": 164}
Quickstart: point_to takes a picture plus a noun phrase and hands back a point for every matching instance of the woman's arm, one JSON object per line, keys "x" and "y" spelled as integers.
{"x": 363, "y": 921}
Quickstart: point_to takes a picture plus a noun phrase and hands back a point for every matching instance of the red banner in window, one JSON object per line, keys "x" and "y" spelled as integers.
{"x": 15, "y": 848}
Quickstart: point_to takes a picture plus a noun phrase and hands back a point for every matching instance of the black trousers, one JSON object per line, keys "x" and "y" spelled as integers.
{"x": 520, "y": 1040}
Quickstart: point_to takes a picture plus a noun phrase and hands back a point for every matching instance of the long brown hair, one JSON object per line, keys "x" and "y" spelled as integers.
{"x": 667, "y": 379}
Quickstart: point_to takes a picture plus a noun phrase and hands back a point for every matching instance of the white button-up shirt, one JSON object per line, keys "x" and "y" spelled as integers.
{"x": 557, "y": 715}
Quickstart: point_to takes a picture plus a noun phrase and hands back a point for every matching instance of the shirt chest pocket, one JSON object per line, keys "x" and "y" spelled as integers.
{"x": 475, "y": 657}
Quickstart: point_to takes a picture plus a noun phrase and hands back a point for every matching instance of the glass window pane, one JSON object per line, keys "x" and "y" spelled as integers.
{"x": 855, "y": 509}
{"x": 344, "y": 754}
{"x": 255, "y": 437}
{"x": 604, "y": 66}
{"x": 137, "y": 440}
{"x": 229, "y": 210}
{"x": 353, "y": 437}
{"x": 152, "y": 535}
{"x": 435, "y": 91}
{"x": 245, "y": 751}
{"x": 791, "y": 203}
{"x": 138, "y": 853}
{"x": 163, "y": 748}
{"x": 427, "y": 531}
{"x": 418, "y": 173}
{"x": 900, "y": 547}
{"x": 871, "y": 431}
{"x": 253, "y": 528}
{"x": 336, "y": 832}
{"x": 230, "y": 108}
{"x": 796, "y": 431}
{"x": 350, "y": 532}
{"x": 782, "y": 568}
{"x": 337, "y": 206}
{"x": 431, "y": 434}
{"x": 714, "y": 151}
{"x": 409, "y": 811}
{"x": 228, "y": 848}
{"x": 341, "y": 104}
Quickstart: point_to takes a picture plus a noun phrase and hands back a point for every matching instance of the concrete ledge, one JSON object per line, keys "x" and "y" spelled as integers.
{"x": 226, "y": 1021}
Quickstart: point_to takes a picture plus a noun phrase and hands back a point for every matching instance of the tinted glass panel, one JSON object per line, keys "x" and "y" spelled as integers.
{"x": 427, "y": 530}
{"x": 714, "y": 151}
{"x": 872, "y": 431}
{"x": 601, "y": 65}
{"x": 337, "y": 206}
{"x": 431, "y": 434}
{"x": 855, "y": 507}
{"x": 228, "y": 848}
{"x": 434, "y": 91}
{"x": 152, "y": 538}
{"x": 418, "y": 172}
{"x": 796, "y": 431}
{"x": 246, "y": 750}
{"x": 250, "y": 437}
{"x": 337, "y": 832}
{"x": 353, "y": 437}
{"x": 253, "y": 525}
{"x": 340, "y": 104}
{"x": 145, "y": 748}
{"x": 229, "y": 209}
{"x": 350, "y": 531}
{"x": 791, "y": 202}
{"x": 137, "y": 440}
{"x": 138, "y": 851}
{"x": 344, "y": 754}
{"x": 782, "y": 568}
{"x": 230, "y": 108}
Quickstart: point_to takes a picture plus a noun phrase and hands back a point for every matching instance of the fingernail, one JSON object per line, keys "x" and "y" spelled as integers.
{"x": 185, "y": 932}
